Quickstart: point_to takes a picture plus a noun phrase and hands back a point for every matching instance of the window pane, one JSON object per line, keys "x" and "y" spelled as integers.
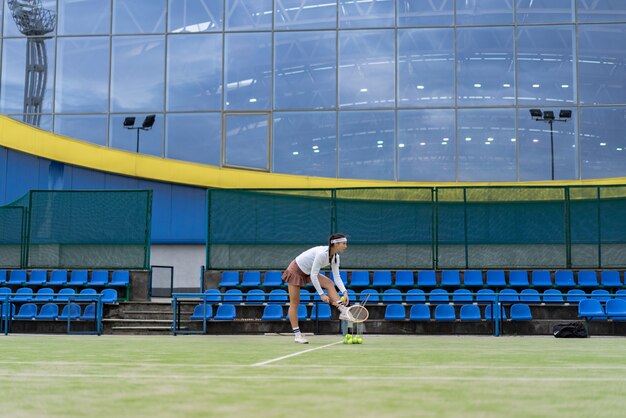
{"x": 195, "y": 137}
{"x": 247, "y": 139}
{"x": 248, "y": 71}
{"x": 84, "y": 17}
{"x": 366, "y": 68}
{"x": 305, "y": 143}
{"x": 425, "y": 13}
{"x": 484, "y": 12}
{"x": 305, "y": 70}
{"x": 603, "y": 144}
{"x": 366, "y": 13}
{"x": 137, "y": 73}
{"x": 248, "y": 14}
{"x": 13, "y": 75}
{"x": 82, "y": 83}
{"x": 545, "y": 11}
{"x": 542, "y": 145}
{"x": 545, "y": 64}
{"x": 426, "y": 67}
{"x": 90, "y": 128}
{"x": 486, "y": 146}
{"x": 138, "y": 16}
{"x": 150, "y": 141}
{"x": 46, "y": 9}
{"x": 426, "y": 145}
{"x": 366, "y": 145}
{"x": 195, "y": 15}
{"x": 305, "y": 14}
{"x": 194, "y": 72}
{"x": 485, "y": 67}
{"x": 601, "y": 11}
{"x": 601, "y": 57}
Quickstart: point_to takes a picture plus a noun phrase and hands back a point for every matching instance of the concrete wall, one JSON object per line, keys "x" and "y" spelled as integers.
{"x": 187, "y": 260}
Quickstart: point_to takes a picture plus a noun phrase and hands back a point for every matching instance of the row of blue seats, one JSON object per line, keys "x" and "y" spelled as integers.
{"x": 393, "y": 312}
{"x": 592, "y": 309}
{"x": 448, "y": 278}
{"x": 50, "y": 312}
{"x": 119, "y": 278}
{"x": 26, "y": 294}
{"x": 280, "y": 296}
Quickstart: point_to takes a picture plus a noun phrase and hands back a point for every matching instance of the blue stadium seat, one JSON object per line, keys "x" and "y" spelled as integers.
{"x": 87, "y": 294}
{"x": 374, "y": 296}
{"x": 49, "y": 311}
{"x": 496, "y": 278}
{"x": 591, "y": 309}
{"x": 342, "y": 274}
{"x": 233, "y": 296}
{"x": 78, "y": 278}
{"x": 450, "y": 278}
{"x": 508, "y": 295}
{"x": 89, "y": 314}
{"x": 415, "y": 296}
{"x": 3, "y": 276}
{"x": 279, "y": 296}
{"x": 272, "y": 279}
{"x": 392, "y": 296}
{"x": 272, "y": 313}
{"x": 5, "y": 291}
{"x": 419, "y": 312}
{"x": 120, "y": 278}
{"x": 552, "y": 296}
{"x": 255, "y": 297}
{"x": 226, "y": 312}
{"x": 26, "y": 311}
{"x": 317, "y": 297}
{"x": 564, "y": 278}
{"x": 616, "y": 309}
{"x": 360, "y": 278}
{"x": 620, "y": 294}
{"x": 520, "y": 312}
{"x": 381, "y": 278}
{"x": 462, "y": 296}
{"x": 610, "y": 278}
{"x": 404, "y": 278}
{"x": 445, "y": 313}
{"x": 488, "y": 312}
{"x": 324, "y": 312}
{"x": 395, "y": 312}
{"x": 587, "y": 278}
{"x": 229, "y": 279}
{"x": 438, "y": 296}
{"x": 426, "y": 278}
{"x": 213, "y": 296}
{"x": 541, "y": 278}
{"x": 302, "y": 312}
{"x": 251, "y": 279}
{"x": 518, "y": 278}
{"x": 23, "y": 294}
{"x": 485, "y": 295}
{"x": 109, "y": 296}
{"x": 44, "y": 294}
{"x": 473, "y": 278}
{"x": 72, "y": 311}
{"x": 99, "y": 278}
{"x": 305, "y": 296}
{"x": 64, "y": 294}
{"x": 529, "y": 296}
{"x": 469, "y": 313}
{"x": 352, "y": 295}
{"x": 17, "y": 278}
{"x": 575, "y": 295}
{"x": 58, "y": 278}
{"x": 38, "y": 278}
{"x": 602, "y": 295}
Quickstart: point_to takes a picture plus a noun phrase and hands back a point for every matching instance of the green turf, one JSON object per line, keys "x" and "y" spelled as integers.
{"x": 388, "y": 376}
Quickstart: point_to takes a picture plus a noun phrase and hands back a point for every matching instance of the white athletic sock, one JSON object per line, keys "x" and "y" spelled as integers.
{"x": 296, "y": 331}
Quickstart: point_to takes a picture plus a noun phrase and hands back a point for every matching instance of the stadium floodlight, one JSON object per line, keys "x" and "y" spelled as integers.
{"x": 129, "y": 122}
{"x": 148, "y": 122}
{"x": 548, "y": 116}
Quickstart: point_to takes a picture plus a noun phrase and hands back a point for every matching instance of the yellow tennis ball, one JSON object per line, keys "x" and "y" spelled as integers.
{"x": 359, "y": 340}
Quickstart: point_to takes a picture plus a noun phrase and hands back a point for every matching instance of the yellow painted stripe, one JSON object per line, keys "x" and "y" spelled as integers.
{"x": 24, "y": 138}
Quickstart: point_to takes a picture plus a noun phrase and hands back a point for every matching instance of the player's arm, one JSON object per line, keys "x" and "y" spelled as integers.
{"x": 315, "y": 270}
{"x": 338, "y": 282}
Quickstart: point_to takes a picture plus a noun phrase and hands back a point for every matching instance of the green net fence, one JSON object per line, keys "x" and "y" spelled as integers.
{"x": 79, "y": 229}
{"x": 414, "y": 228}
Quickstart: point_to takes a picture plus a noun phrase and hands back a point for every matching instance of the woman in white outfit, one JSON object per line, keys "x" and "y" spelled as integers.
{"x": 305, "y": 269}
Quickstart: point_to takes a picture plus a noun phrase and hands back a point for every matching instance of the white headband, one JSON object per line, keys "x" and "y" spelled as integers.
{"x": 338, "y": 240}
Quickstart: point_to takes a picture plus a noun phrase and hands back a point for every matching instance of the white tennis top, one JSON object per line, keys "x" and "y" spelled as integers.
{"x": 314, "y": 259}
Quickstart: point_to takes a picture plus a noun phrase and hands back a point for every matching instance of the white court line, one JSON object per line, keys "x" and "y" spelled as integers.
{"x": 263, "y": 363}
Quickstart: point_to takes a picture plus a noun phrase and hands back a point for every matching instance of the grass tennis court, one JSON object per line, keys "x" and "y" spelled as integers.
{"x": 242, "y": 376}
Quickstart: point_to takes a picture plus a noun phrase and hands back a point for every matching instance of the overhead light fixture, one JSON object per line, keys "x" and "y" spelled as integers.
{"x": 565, "y": 114}
{"x": 548, "y": 115}
{"x": 129, "y": 122}
{"x": 535, "y": 113}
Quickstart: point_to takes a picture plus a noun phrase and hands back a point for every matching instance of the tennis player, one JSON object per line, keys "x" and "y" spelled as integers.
{"x": 305, "y": 269}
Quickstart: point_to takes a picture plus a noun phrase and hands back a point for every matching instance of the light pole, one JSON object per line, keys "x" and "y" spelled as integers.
{"x": 548, "y": 116}
{"x": 129, "y": 123}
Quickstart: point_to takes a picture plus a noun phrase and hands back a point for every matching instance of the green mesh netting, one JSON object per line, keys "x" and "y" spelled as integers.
{"x": 11, "y": 236}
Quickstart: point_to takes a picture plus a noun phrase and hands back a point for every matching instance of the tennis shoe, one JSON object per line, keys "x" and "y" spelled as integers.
{"x": 300, "y": 339}
{"x": 346, "y": 316}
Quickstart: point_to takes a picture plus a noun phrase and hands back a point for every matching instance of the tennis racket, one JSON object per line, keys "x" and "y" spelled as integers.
{"x": 358, "y": 312}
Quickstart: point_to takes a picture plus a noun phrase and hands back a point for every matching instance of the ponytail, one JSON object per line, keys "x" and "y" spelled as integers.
{"x": 330, "y": 244}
